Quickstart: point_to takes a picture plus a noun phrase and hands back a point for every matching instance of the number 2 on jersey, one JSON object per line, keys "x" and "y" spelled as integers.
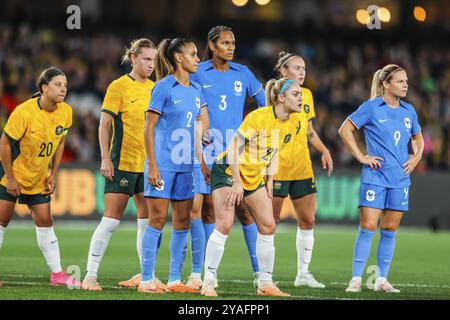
{"x": 189, "y": 117}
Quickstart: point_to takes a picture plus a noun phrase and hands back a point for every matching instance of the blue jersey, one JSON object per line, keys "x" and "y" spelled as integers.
{"x": 178, "y": 107}
{"x": 388, "y": 132}
{"x": 225, "y": 94}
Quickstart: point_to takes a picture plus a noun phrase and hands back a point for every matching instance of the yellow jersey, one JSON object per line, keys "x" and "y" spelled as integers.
{"x": 127, "y": 101}
{"x": 35, "y": 135}
{"x": 295, "y": 161}
{"x": 265, "y": 136}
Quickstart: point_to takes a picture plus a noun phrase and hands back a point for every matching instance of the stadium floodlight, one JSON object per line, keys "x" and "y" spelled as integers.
{"x": 239, "y": 3}
{"x": 384, "y": 14}
{"x": 362, "y": 16}
{"x": 262, "y": 2}
{"x": 420, "y": 14}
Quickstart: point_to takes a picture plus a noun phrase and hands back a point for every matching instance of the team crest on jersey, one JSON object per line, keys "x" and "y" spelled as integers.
{"x": 306, "y": 108}
{"x": 238, "y": 87}
{"x": 370, "y": 195}
{"x": 59, "y": 130}
{"x": 124, "y": 183}
{"x": 277, "y": 185}
{"x": 197, "y": 102}
{"x": 287, "y": 138}
{"x": 162, "y": 186}
{"x": 407, "y": 123}
{"x": 230, "y": 180}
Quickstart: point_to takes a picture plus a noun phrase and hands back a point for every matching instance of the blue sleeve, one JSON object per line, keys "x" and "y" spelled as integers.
{"x": 415, "y": 124}
{"x": 158, "y": 99}
{"x": 362, "y": 116}
{"x": 202, "y": 102}
{"x": 254, "y": 88}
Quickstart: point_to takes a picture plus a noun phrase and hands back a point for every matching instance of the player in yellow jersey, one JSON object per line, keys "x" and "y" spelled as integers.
{"x": 33, "y": 139}
{"x": 123, "y": 109}
{"x": 295, "y": 175}
{"x": 245, "y": 173}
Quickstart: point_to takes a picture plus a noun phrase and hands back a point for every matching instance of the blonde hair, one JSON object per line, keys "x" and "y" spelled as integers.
{"x": 136, "y": 47}
{"x": 283, "y": 58}
{"x": 381, "y": 75}
{"x": 273, "y": 89}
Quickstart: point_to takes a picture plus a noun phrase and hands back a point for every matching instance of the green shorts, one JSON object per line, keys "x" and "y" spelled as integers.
{"x": 295, "y": 188}
{"x": 125, "y": 182}
{"x": 28, "y": 199}
{"x": 220, "y": 179}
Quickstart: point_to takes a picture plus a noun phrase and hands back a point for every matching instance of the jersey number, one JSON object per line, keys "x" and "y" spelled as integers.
{"x": 189, "y": 117}
{"x": 397, "y": 136}
{"x": 46, "y": 150}
{"x": 223, "y": 102}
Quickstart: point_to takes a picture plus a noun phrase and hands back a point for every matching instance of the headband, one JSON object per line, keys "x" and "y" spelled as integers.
{"x": 286, "y": 85}
{"x": 392, "y": 72}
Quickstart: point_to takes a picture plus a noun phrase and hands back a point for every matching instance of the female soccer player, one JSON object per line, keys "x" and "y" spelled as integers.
{"x": 175, "y": 105}
{"x": 295, "y": 175}
{"x": 241, "y": 173}
{"x": 124, "y": 107}
{"x": 226, "y": 84}
{"x": 389, "y": 125}
{"x": 33, "y": 138}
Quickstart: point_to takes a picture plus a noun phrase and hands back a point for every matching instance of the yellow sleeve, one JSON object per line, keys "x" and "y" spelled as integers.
{"x": 113, "y": 99}
{"x": 308, "y": 104}
{"x": 16, "y": 125}
{"x": 68, "y": 122}
{"x": 247, "y": 129}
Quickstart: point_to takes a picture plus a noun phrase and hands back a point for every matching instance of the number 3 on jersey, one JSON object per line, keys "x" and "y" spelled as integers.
{"x": 223, "y": 102}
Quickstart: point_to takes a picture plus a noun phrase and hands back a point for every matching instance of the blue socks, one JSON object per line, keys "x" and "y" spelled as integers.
{"x": 178, "y": 243}
{"x": 209, "y": 228}
{"x": 198, "y": 245}
{"x": 251, "y": 235}
{"x": 385, "y": 251}
{"x": 361, "y": 251}
{"x": 150, "y": 247}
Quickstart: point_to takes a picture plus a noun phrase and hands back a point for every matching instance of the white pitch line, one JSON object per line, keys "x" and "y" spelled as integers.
{"x": 220, "y": 292}
{"x": 410, "y": 285}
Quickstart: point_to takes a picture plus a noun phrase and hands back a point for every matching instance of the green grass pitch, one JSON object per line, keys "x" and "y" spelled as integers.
{"x": 420, "y": 268}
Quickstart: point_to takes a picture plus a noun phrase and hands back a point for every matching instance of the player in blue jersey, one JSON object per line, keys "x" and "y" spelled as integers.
{"x": 225, "y": 85}
{"x": 175, "y": 105}
{"x": 390, "y": 125}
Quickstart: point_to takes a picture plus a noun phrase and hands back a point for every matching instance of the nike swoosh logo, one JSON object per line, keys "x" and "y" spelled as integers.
{"x": 96, "y": 255}
{"x": 207, "y": 86}
{"x": 381, "y": 121}
{"x": 133, "y": 101}
{"x": 403, "y": 203}
{"x": 54, "y": 241}
{"x": 177, "y": 101}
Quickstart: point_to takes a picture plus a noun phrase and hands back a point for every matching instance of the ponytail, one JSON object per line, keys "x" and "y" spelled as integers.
{"x": 44, "y": 79}
{"x": 380, "y": 76}
{"x": 273, "y": 90}
{"x": 136, "y": 47}
{"x": 165, "y": 63}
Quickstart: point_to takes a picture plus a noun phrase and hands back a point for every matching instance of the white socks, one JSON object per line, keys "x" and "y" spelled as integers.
{"x": 2, "y": 233}
{"x": 141, "y": 225}
{"x": 99, "y": 243}
{"x": 214, "y": 253}
{"x": 265, "y": 251}
{"x": 48, "y": 243}
{"x": 305, "y": 244}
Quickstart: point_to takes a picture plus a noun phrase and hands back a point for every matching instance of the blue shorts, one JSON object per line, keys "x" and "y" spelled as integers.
{"x": 200, "y": 186}
{"x": 176, "y": 186}
{"x": 377, "y": 197}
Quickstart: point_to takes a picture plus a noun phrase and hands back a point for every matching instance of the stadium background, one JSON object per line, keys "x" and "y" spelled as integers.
{"x": 341, "y": 55}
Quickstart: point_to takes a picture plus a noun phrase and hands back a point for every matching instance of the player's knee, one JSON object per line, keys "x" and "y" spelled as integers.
{"x": 208, "y": 216}
{"x": 389, "y": 227}
{"x": 267, "y": 228}
{"x": 182, "y": 222}
{"x": 157, "y": 222}
{"x": 307, "y": 223}
{"x": 224, "y": 228}
{"x": 368, "y": 225}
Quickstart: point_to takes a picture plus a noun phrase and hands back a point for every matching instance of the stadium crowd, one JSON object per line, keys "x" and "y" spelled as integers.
{"x": 338, "y": 74}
